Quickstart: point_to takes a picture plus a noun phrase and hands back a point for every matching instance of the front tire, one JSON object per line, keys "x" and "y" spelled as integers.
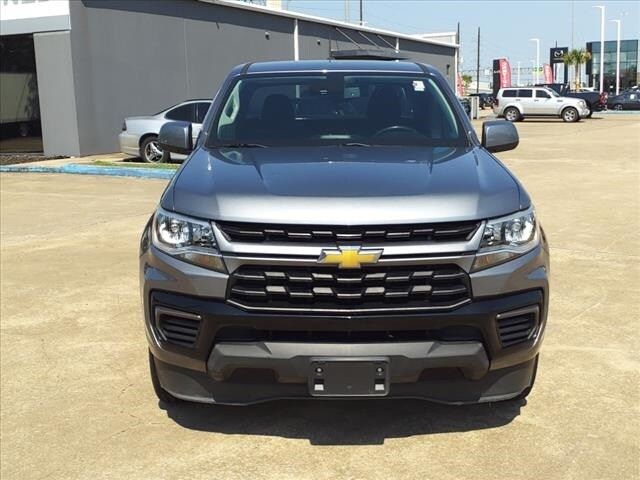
{"x": 150, "y": 151}
{"x": 618, "y": 107}
{"x": 570, "y": 115}
{"x": 164, "y": 396}
{"x": 512, "y": 114}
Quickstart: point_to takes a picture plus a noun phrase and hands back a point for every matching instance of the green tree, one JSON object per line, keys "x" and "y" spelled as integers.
{"x": 576, "y": 58}
{"x": 466, "y": 79}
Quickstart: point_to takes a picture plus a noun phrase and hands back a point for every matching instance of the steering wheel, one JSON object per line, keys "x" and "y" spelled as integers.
{"x": 394, "y": 129}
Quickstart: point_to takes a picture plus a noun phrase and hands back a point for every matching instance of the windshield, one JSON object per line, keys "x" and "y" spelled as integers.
{"x": 552, "y": 92}
{"x": 336, "y": 109}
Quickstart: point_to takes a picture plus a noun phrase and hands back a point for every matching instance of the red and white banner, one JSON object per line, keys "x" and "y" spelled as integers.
{"x": 459, "y": 86}
{"x": 548, "y": 73}
{"x": 505, "y": 73}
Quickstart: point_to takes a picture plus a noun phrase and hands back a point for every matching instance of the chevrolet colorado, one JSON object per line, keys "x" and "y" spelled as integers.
{"x": 338, "y": 230}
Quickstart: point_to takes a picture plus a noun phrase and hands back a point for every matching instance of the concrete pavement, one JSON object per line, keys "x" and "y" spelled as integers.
{"x": 75, "y": 396}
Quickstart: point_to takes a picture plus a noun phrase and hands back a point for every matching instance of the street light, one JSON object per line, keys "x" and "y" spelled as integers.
{"x": 537, "y": 40}
{"x": 602, "y": 9}
{"x": 617, "y": 57}
{"x": 533, "y": 68}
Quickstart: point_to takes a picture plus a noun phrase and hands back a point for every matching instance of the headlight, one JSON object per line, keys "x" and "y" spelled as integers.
{"x": 507, "y": 238}
{"x": 187, "y": 238}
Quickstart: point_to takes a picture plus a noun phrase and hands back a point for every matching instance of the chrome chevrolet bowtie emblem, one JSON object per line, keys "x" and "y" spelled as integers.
{"x": 349, "y": 257}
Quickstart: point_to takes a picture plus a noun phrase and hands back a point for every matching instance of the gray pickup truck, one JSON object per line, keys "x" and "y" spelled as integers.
{"x": 338, "y": 230}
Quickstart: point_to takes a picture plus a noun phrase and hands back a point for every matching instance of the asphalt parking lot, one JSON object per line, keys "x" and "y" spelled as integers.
{"x": 77, "y": 403}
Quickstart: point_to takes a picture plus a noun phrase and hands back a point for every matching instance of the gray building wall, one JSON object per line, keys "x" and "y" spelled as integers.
{"x": 56, "y": 93}
{"x": 139, "y": 57}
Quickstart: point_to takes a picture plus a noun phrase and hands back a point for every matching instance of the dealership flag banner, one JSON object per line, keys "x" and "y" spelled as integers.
{"x": 548, "y": 73}
{"x": 459, "y": 86}
{"x": 505, "y": 73}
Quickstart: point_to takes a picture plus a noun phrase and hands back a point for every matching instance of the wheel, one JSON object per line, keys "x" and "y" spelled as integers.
{"x": 590, "y": 113}
{"x": 161, "y": 393}
{"x": 512, "y": 114}
{"x": 570, "y": 114}
{"x": 618, "y": 107}
{"x": 151, "y": 152}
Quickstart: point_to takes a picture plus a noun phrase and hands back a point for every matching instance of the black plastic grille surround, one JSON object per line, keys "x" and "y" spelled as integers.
{"x": 259, "y": 233}
{"x": 328, "y": 288}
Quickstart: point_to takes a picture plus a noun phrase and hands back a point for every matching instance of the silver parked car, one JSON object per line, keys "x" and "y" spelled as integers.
{"x": 139, "y": 135}
{"x": 514, "y": 104}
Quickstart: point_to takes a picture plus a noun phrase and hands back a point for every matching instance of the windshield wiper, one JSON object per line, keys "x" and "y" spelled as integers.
{"x": 241, "y": 145}
{"x": 354, "y": 144}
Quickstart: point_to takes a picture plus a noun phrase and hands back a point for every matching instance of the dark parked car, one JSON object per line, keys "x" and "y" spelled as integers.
{"x": 339, "y": 230}
{"x": 625, "y": 101}
{"x": 595, "y": 101}
{"x": 486, "y": 99}
{"x": 466, "y": 104}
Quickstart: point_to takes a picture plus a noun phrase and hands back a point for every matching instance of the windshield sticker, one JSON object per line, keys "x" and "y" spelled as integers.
{"x": 418, "y": 85}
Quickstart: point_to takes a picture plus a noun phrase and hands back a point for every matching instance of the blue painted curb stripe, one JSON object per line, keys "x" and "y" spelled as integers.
{"x": 138, "y": 172}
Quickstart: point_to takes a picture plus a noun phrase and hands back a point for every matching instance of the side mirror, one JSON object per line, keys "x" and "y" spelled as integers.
{"x": 176, "y": 137}
{"x": 499, "y": 136}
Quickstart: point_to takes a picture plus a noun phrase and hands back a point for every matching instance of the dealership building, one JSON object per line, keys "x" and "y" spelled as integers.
{"x": 72, "y": 70}
{"x": 629, "y": 59}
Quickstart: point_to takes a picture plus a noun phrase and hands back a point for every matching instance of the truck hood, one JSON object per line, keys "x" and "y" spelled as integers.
{"x": 343, "y": 185}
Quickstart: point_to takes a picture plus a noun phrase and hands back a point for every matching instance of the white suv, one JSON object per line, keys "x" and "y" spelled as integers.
{"x": 517, "y": 103}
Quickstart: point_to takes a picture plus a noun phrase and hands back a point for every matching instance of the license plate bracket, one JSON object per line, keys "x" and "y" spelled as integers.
{"x": 349, "y": 377}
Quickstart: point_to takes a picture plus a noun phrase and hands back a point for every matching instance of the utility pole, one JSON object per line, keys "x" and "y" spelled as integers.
{"x": 518, "y": 78}
{"x": 478, "y": 65}
{"x": 537, "y": 41}
{"x": 361, "y": 20}
{"x": 457, "y": 59}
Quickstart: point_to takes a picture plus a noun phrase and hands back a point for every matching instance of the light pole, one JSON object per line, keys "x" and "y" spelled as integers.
{"x": 537, "y": 40}
{"x": 602, "y": 9}
{"x": 533, "y": 69}
{"x": 618, "y": 22}
{"x": 518, "y": 80}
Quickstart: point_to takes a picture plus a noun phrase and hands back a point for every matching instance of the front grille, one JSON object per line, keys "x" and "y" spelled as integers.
{"x": 177, "y": 328}
{"x": 326, "y": 288}
{"x": 259, "y": 233}
{"x": 517, "y": 327}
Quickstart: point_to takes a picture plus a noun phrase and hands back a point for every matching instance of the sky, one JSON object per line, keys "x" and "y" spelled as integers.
{"x": 505, "y": 26}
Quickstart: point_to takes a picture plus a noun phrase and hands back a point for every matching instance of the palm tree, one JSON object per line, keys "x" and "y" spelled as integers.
{"x": 576, "y": 58}
{"x": 466, "y": 80}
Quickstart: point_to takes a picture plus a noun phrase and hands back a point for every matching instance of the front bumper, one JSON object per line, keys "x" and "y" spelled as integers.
{"x": 459, "y": 357}
{"x": 584, "y": 112}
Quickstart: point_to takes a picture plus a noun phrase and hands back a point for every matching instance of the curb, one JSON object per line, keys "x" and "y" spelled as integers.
{"x": 78, "y": 169}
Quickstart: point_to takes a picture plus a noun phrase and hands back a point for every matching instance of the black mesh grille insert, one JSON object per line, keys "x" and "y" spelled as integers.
{"x": 258, "y": 233}
{"x": 328, "y": 288}
{"x": 517, "y": 327}
{"x": 178, "y": 328}
{"x": 447, "y": 334}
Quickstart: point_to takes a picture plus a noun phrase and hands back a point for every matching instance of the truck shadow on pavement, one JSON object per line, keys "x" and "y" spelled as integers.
{"x": 338, "y": 422}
